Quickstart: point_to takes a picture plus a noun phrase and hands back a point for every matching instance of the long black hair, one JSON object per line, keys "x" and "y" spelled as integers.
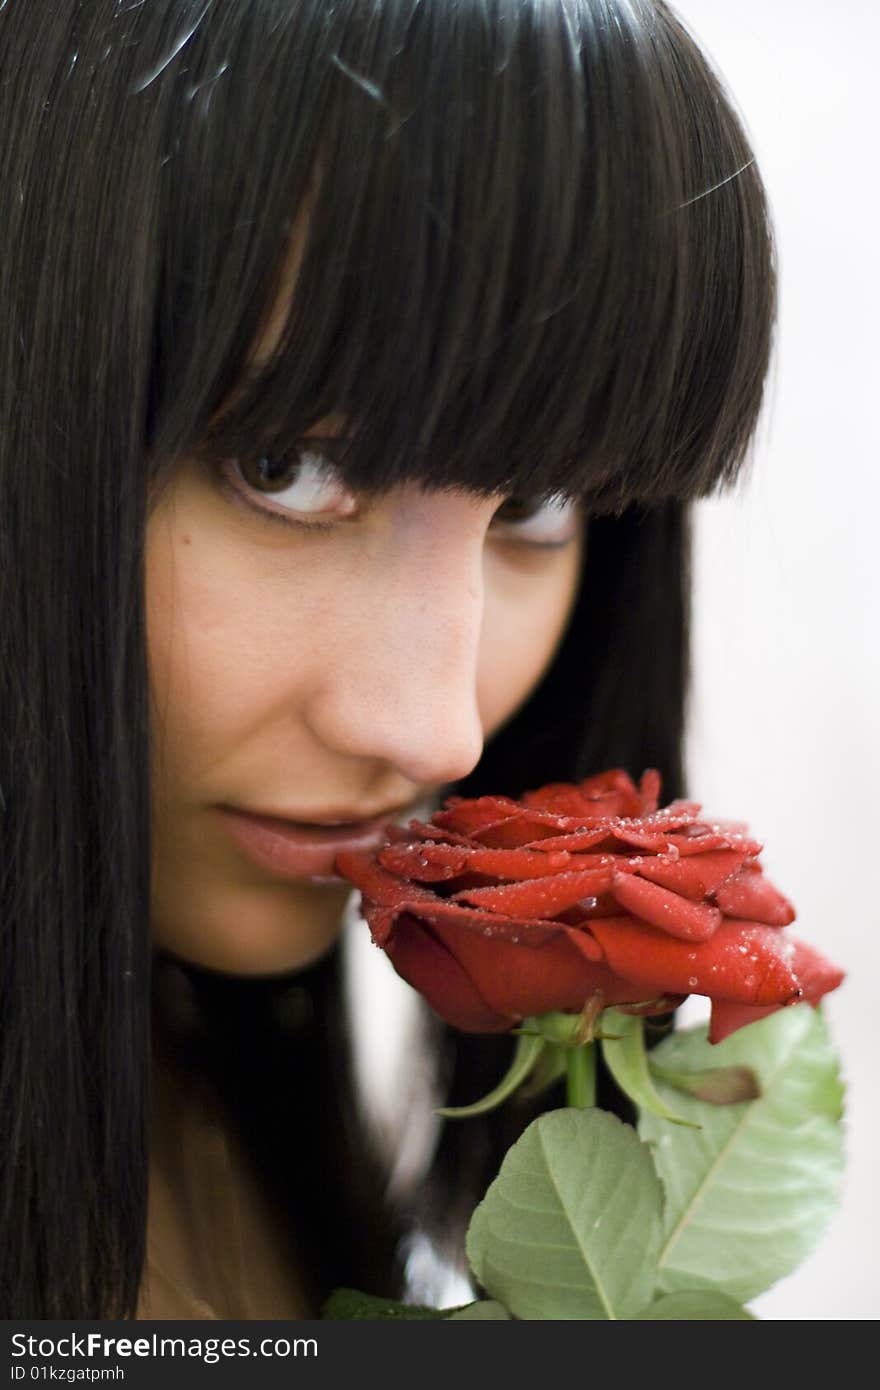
{"x": 538, "y": 260}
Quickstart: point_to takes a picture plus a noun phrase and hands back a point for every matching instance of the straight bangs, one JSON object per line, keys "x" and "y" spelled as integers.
{"x": 519, "y": 247}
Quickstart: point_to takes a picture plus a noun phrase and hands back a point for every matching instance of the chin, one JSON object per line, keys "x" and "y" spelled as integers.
{"x": 253, "y": 941}
{"x": 236, "y": 965}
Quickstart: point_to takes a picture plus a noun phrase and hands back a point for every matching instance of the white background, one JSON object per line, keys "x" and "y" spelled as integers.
{"x": 786, "y": 697}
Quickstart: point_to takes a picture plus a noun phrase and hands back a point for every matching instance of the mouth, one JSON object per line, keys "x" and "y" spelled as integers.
{"x": 304, "y": 851}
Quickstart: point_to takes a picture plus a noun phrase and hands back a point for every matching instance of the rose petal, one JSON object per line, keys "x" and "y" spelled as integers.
{"x": 749, "y": 894}
{"x": 643, "y": 839}
{"x": 705, "y": 839}
{"x": 695, "y": 876}
{"x": 376, "y": 883}
{"x": 625, "y": 863}
{"x": 514, "y": 832}
{"x": 425, "y": 963}
{"x": 575, "y": 840}
{"x": 604, "y": 905}
{"x": 650, "y": 832}
{"x": 667, "y": 820}
{"x": 469, "y": 816}
{"x": 726, "y": 1018}
{"x": 424, "y": 830}
{"x": 817, "y": 975}
{"x": 424, "y": 863}
{"x": 383, "y": 895}
{"x": 616, "y": 781}
{"x": 381, "y": 890}
{"x": 616, "y": 989}
{"x": 586, "y": 944}
{"x": 562, "y": 799}
{"x": 649, "y": 790}
{"x": 672, "y": 913}
{"x": 743, "y": 962}
{"x": 521, "y": 983}
{"x": 436, "y": 862}
{"x": 539, "y": 896}
{"x": 527, "y": 931}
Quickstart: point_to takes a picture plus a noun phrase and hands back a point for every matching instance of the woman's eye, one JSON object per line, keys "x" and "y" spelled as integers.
{"x": 553, "y": 523}
{"x": 303, "y": 486}
{"x": 304, "y": 489}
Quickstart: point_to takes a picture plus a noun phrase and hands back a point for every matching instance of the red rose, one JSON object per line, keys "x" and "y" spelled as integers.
{"x": 497, "y": 909}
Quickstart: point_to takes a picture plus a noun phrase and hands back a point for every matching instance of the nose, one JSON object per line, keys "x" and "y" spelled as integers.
{"x": 402, "y": 689}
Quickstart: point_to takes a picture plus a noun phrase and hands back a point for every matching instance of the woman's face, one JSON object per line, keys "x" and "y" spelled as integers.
{"x": 299, "y": 671}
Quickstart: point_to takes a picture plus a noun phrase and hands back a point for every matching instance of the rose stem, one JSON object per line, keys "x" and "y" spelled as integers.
{"x": 580, "y": 1086}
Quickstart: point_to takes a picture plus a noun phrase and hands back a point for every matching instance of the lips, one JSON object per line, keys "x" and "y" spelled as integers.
{"x": 296, "y": 850}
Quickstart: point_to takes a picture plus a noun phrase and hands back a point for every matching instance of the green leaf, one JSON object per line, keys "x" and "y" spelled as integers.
{"x": 551, "y": 1065}
{"x": 347, "y": 1304}
{"x": 720, "y": 1086}
{"x": 749, "y": 1194}
{"x": 696, "y": 1305}
{"x": 571, "y": 1226}
{"x": 527, "y": 1054}
{"x": 486, "y": 1308}
{"x": 627, "y": 1061}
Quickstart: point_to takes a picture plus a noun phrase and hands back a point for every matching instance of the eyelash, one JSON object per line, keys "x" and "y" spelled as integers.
{"x": 229, "y": 489}
{"x": 238, "y": 496}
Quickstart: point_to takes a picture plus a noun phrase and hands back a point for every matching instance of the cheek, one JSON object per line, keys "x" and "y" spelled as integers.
{"x": 232, "y": 646}
{"x": 207, "y": 652}
{"x": 524, "y": 623}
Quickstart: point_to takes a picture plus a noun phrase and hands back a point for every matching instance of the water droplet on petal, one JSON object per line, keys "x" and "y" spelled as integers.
{"x": 692, "y": 982}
